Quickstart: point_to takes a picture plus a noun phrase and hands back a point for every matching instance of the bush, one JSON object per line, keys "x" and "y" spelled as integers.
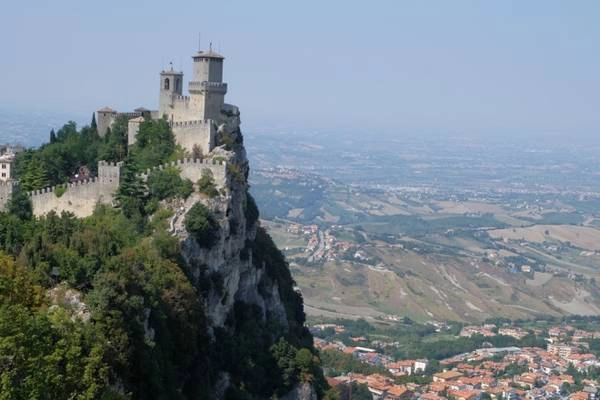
{"x": 202, "y": 225}
{"x": 236, "y": 172}
{"x": 60, "y": 190}
{"x": 251, "y": 210}
{"x": 167, "y": 183}
{"x": 206, "y": 184}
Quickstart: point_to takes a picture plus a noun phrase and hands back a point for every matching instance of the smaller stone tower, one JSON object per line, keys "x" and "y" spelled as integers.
{"x": 6, "y": 164}
{"x": 105, "y": 118}
{"x": 110, "y": 172}
{"x": 171, "y": 84}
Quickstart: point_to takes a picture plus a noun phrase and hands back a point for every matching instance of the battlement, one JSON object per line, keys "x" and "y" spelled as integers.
{"x": 181, "y": 98}
{"x": 129, "y": 115}
{"x": 110, "y": 164}
{"x": 52, "y": 189}
{"x": 193, "y": 169}
{"x": 186, "y": 162}
{"x": 183, "y": 124}
{"x": 207, "y": 85}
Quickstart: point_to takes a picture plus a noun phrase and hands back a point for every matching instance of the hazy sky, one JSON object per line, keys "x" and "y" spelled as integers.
{"x": 448, "y": 66}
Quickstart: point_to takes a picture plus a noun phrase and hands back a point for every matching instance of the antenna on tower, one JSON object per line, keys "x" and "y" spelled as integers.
{"x": 210, "y": 46}
{"x": 171, "y": 65}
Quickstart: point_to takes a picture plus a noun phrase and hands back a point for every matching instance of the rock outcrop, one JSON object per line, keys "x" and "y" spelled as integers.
{"x": 231, "y": 271}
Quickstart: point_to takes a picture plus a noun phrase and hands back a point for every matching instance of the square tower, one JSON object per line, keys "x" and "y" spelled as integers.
{"x": 171, "y": 84}
{"x": 6, "y": 163}
{"x": 206, "y": 88}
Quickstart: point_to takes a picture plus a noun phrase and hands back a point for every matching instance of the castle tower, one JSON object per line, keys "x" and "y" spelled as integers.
{"x": 6, "y": 163}
{"x": 105, "y": 118}
{"x": 207, "y": 90}
{"x": 171, "y": 84}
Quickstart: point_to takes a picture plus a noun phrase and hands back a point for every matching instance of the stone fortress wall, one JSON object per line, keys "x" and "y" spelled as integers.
{"x": 193, "y": 120}
{"x": 6, "y": 190}
{"x": 199, "y": 133}
{"x": 80, "y": 198}
{"x": 193, "y": 169}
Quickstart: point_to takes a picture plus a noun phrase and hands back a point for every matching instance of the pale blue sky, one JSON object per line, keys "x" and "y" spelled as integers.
{"x": 522, "y": 67}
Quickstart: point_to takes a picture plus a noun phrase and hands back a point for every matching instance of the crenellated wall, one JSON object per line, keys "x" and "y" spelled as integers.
{"x": 81, "y": 197}
{"x": 193, "y": 169}
{"x": 190, "y": 133}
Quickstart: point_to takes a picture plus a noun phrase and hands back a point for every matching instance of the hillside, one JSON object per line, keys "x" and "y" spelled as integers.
{"x": 176, "y": 293}
{"x": 439, "y": 254}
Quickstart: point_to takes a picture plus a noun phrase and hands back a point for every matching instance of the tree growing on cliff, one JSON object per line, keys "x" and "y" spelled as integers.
{"x": 202, "y": 225}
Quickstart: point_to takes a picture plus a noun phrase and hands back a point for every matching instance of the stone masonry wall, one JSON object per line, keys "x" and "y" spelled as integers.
{"x": 79, "y": 198}
{"x": 82, "y": 197}
{"x": 193, "y": 169}
{"x": 190, "y": 133}
{"x": 6, "y": 191}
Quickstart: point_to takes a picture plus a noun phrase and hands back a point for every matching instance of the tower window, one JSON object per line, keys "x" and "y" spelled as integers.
{"x": 167, "y": 84}
{"x": 177, "y": 84}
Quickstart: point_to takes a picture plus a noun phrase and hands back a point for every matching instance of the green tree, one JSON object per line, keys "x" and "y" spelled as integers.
{"x": 202, "y": 225}
{"x": 34, "y": 176}
{"x": 206, "y": 184}
{"x": 20, "y": 205}
{"x": 93, "y": 124}
{"x": 155, "y": 144}
{"x": 165, "y": 183}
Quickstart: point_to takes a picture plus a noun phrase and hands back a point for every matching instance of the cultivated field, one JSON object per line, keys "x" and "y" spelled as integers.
{"x": 580, "y": 236}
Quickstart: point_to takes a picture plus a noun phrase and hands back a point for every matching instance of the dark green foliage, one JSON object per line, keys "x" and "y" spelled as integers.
{"x": 20, "y": 205}
{"x": 202, "y": 225}
{"x": 34, "y": 176}
{"x": 128, "y": 282}
{"x": 206, "y": 184}
{"x": 353, "y": 391}
{"x": 251, "y": 210}
{"x": 165, "y": 183}
{"x": 260, "y": 363}
{"x": 131, "y": 195}
{"x": 114, "y": 145}
{"x": 337, "y": 363}
{"x": 155, "y": 144}
{"x": 57, "y": 161}
{"x": 60, "y": 190}
{"x": 93, "y": 124}
{"x": 265, "y": 253}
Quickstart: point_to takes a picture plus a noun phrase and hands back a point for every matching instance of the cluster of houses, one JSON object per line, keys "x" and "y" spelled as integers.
{"x": 488, "y": 373}
{"x": 490, "y": 330}
{"x": 321, "y": 246}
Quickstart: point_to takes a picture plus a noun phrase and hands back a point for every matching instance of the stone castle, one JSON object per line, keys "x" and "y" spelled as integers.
{"x": 194, "y": 120}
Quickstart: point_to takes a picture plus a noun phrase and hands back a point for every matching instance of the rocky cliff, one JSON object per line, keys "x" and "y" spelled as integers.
{"x": 244, "y": 281}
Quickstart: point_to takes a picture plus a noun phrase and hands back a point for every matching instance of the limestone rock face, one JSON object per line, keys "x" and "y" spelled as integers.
{"x": 230, "y": 259}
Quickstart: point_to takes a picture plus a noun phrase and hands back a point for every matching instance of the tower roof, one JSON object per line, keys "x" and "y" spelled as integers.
{"x": 106, "y": 109}
{"x": 171, "y": 72}
{"x": 208, "y": 54}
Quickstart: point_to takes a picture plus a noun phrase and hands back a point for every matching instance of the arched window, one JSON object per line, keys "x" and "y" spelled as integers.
{"x": 177, "y": 84}
{"x": 167, "y": 84}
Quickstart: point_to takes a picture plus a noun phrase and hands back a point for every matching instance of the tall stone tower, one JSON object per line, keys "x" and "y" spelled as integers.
{"x": 207, "y": 90}
{"x": 171, "y": 84}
